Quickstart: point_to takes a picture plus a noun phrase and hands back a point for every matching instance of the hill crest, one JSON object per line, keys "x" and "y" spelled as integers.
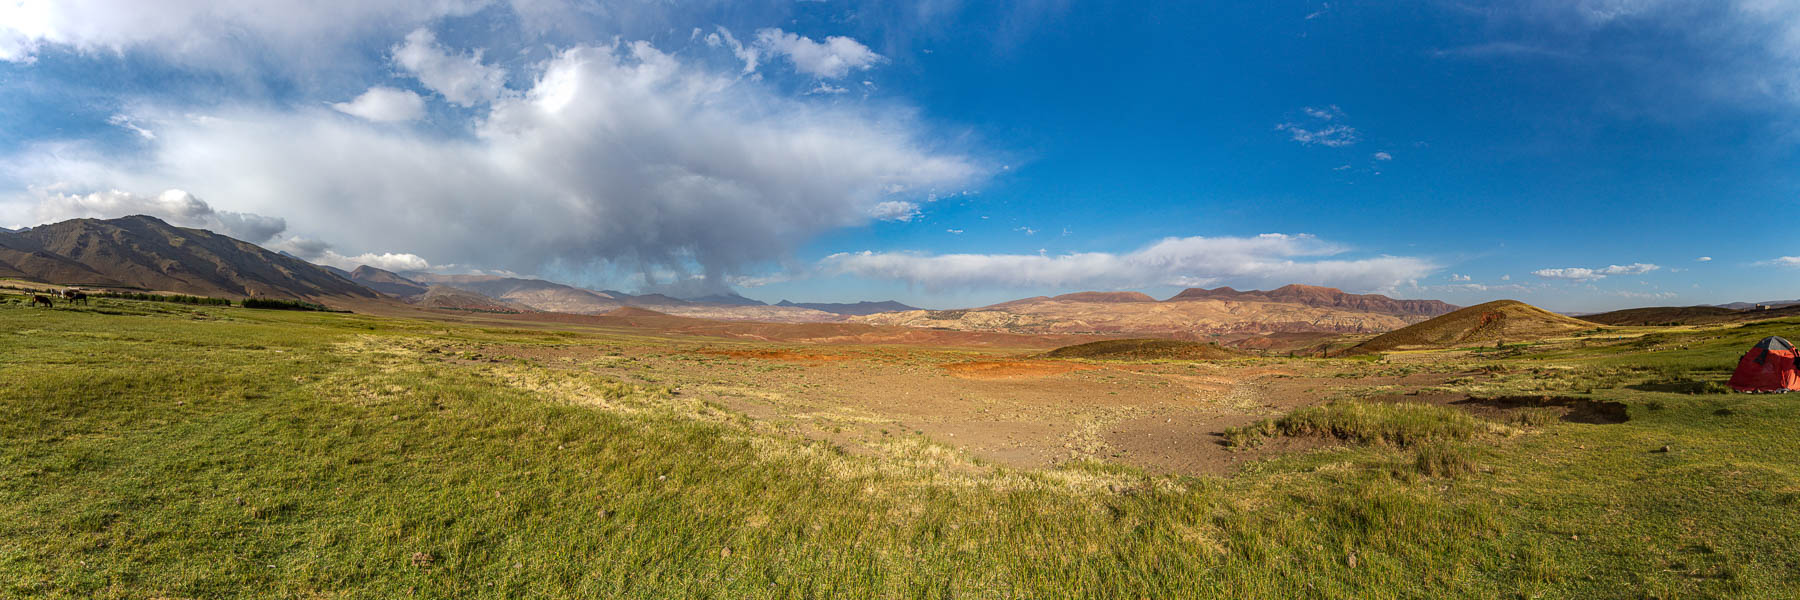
{"x": 1499, "y": 321}
{"x": 864, "y": 307}
{"x": 387, "y": 282}
{"x": 1323, "y": 297}
{"x": 535, "y": 294}
{"x": 633, "y": 311}
{"x": 1104, "y": 297}
{"x": 443, "y": 296}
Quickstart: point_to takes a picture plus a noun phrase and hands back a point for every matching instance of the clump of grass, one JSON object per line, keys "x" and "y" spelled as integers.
{"x": 1398, "y": 424}
{"x": 1535, "y": 416}
{"x": 1250, "y": 435}
{"x": 1444, "y": 459}
{"x": 1703, "y": 387}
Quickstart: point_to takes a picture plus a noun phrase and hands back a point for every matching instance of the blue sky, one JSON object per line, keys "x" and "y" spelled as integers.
{"x": 1580, "y": 155}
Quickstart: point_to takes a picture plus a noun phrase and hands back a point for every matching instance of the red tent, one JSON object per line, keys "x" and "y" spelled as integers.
{"x": 1767, "y": 367}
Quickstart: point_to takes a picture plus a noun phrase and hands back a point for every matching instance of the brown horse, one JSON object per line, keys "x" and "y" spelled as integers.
{"x": 37, "y": 299}
{"x": 73, "y": 296}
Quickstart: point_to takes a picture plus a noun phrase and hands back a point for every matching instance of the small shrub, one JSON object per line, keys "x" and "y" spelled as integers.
{"x": 176, "y": 298}
{"x": 274, "y": 304}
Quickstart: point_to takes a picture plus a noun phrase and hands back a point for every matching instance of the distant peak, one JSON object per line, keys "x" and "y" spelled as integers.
{"x": 633, "y": 311}
{"x": 729, "y": 298}
{"x": 1300, "y": 287}
{"x": 143, "y": 219}
{"x": 1105, "y": 297}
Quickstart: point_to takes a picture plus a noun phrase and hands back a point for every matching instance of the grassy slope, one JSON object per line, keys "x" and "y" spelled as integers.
{"x": 1500, "y": 320}
{"x": 205, "y": 452}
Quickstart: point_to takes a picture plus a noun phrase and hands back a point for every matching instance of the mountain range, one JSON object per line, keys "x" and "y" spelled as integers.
{"x": 1323, "y": 297}
{"x": 1194, "y": 313}
{"x": 140, "y": 252}
{"x": 145, "y": 253}
{"x": 853, "y": 308}
{"x": 1753, "y": 305}
{"x": 498, "y": 294}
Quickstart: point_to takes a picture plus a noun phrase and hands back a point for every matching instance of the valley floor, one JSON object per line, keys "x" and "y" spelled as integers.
{"x": 160, "y": 450}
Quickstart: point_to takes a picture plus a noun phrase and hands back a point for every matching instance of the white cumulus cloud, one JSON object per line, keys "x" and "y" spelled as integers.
{"x": 831, "y": 59}
{"x": 615, "y": 159}
{"x": 460, "y": 78}
{"x": 1269, "y": 259}
{"x": 384, "y": 105}
{"x": 1784, "y": 261}
{"x": 1586, "y": 274}
{"x": 175, "y": 206}
{"x": 895, "y": 210}
{"x": 390, "y": 261}
{"x": 211, "y": 33}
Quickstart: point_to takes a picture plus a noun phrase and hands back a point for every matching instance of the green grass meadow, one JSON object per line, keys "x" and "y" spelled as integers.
{"x": 156, "y": 450}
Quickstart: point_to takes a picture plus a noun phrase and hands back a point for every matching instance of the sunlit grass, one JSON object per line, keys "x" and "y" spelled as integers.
{"x": 1399, "y": 424}
{"x": 159, "y": 450}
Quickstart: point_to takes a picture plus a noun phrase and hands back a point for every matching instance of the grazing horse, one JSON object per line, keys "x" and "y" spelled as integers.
{"x": 74, "y": 296}
{"x": 37, "y": 299}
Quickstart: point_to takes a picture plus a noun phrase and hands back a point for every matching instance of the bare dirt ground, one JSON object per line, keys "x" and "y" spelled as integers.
{"x": 1004, "y": 406}
{"x": 648, "y": 323}
{"x": 991, "y": 395}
